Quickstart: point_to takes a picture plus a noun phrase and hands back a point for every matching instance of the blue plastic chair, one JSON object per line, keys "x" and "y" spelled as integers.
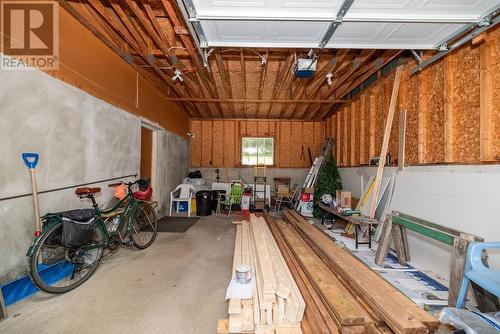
{"x": 477, "y": 272}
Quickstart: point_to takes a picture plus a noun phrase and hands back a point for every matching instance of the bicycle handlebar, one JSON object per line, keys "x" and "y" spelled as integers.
{"x": 129, "y": 184}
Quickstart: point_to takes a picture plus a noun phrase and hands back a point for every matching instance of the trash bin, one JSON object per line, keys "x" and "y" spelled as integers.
{"x": 215, "y": 197}
{"x": 203, "y": 203}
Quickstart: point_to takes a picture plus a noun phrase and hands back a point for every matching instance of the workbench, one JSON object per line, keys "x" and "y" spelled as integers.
{"x": 358, "y": 222}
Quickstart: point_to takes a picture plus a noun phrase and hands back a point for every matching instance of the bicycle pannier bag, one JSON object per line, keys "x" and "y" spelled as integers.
{"x": 78, "y": 227}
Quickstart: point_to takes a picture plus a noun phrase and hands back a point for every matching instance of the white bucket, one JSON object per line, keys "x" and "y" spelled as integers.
{"x": 243, "y": 274}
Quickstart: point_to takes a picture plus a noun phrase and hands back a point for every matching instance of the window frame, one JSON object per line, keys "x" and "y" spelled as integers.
{"x": 257, "y": 137}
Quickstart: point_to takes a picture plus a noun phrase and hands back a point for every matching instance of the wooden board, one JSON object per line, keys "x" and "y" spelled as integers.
{"x": 285, "y": 133}
{"x": 399, "y": 312}
{"x": 195, "y": 143}
{"x": 206, "y": 144}
{"x": 347, "y": 312}
{"x": 296, "y": 145}
{"x": 218, "y": 144}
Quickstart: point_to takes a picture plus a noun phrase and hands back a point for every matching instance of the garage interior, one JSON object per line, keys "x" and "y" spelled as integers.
{"x": 327, "y": 166}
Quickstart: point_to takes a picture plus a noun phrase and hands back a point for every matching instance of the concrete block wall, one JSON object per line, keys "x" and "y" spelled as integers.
{"x": 297, "y": 175}
{"x": 80, "y": 139}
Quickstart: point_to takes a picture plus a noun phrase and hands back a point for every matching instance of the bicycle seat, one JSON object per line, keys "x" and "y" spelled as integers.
{"x": 87, "y": 191}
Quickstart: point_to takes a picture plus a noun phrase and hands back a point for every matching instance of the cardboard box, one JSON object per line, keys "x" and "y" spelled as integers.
{"x": 343, "y": 198}
{"x": 308, "y": 190}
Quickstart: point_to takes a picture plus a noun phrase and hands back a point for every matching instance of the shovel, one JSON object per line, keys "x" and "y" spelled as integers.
{"x": 31, "y": 160}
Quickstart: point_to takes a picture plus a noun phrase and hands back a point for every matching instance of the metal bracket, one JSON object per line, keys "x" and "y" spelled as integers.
{"x": 473, "y": 33}
{"x": 419, "y": 59}
{"x": 346, "y": 4}
{"x": 189, "y": 14}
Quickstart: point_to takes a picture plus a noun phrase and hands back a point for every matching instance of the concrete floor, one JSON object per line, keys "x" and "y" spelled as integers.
{"x": 177, "y": 285}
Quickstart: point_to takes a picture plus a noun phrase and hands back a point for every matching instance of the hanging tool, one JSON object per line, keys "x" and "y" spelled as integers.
{"x": 302, "y": 156}
{"x": 31, "y": 160}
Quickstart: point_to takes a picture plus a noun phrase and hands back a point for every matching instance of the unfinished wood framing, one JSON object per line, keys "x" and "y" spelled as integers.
{"x": 450, "y": 111}
{"x": 217, "y": 143}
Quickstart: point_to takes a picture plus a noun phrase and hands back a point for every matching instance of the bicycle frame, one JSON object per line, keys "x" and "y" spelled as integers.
{"x": 128, "y": 213}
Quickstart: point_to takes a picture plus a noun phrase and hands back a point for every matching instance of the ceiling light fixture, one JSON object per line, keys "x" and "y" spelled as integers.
{"x": 329, "y": 77}
{"x": 178, "y": 76}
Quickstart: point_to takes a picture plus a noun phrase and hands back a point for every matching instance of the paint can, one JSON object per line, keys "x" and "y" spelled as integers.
{"x": 243, "y": 274}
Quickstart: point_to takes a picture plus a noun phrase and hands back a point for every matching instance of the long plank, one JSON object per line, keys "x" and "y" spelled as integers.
{"x": 265, "y": 264}
{"x": 398, "y": 311}
{"x": 385, "y": 141}
{"x": 294, "y": 302}
{"x": 345, "y": 309}
{"x": 319, "y": 319}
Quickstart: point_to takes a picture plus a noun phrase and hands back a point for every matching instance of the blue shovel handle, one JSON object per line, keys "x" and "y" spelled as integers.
{"x": 30, "y": 159}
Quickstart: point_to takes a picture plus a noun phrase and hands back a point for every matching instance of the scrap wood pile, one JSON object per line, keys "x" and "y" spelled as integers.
{"x": 342, "y": 294}
{"x": 276, "y": 305}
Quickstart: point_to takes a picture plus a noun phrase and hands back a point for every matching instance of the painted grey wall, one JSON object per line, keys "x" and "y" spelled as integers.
{"x": 173, "y": 167}
{"x": 297, "y": 175}
{"x": 460, "y": 197}
{"x": 80, "y": 139}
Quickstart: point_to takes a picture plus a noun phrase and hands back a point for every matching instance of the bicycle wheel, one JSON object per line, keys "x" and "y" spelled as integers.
{"x": 55, "y": 268}
{"x": 145, "y": 226}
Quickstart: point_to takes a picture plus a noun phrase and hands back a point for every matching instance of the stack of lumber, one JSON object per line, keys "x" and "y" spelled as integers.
{"x": 276, "y": 305}
{"x": 343, "y": 295}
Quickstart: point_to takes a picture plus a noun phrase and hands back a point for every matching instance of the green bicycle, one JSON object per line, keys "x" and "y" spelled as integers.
{"x": 71, "y": 244}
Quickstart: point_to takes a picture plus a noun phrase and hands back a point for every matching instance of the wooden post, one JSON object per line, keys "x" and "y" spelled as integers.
{"x": 385, "y": 142}
{"x": 458, "y": 257}
{"x": 385, "y": 240}
{"x": 402, "y": 140}
{"x": 353, "y": 134}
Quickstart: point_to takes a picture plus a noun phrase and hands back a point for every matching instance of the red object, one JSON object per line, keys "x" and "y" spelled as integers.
{"x": 304, "y": 197}
{"x": 143, "y": 195}
{"x": 37, "y": 233}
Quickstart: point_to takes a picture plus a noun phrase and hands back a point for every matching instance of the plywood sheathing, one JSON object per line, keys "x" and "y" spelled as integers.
{"x": 393, "y": 143}
{"x": 490, "y": 96}
{"x": 452, "y": 111}
{"x": 364, "y": 129}
{"x": 195, "y": 144}
{"x": 433, "y": 112}
{"x": 463, "y": 102}
{"x": 206, "y": 144}
{"x": 296, "y": 147}
{"x": 217, "y": 143}
{"x": 218, "y": 146}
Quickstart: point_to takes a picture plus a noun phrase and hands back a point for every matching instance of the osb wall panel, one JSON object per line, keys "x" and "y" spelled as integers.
{"x": 463, "y": 102}
{"x": 411, "y": 87}
{"x": 230, "y": 143}
{"x": 296, "y": 145}
{"x": 433, "y": 109}
{"x": 217, "y": 143}
{"x": 490, "y": 96}
{"x": 195, "y": 128}
{"x": 394, "y": 138}
{"x": 452, "y": 112}
{"x": 206, "y": 144}
{"x": 363, "y": 130}
{"x": 378, "y": 91}
{"x": 284, "y": 142}
{"x": 308, "y": 141}
{"x": 319, "y": 137}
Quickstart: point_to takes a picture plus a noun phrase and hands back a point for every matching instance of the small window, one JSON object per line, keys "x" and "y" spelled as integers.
{"x": 257, "y": 151}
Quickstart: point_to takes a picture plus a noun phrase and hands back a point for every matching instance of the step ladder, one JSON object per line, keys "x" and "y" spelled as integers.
{"x": 312, "y": 175}
{"x": 259, "y": 187}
